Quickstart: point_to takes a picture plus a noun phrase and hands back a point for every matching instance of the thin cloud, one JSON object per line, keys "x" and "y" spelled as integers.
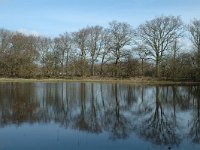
{"x": 28, "y": 32}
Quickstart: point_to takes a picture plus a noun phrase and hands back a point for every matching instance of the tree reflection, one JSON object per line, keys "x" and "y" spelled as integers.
{"x": 118, "y": 125}
{"x": 17, "y": 104}
{"x": 155, "y": 113}
{"x": 81, "y": 122}
{"x": 195, "y": 123}
{"x": 92, "y": 120}
{"x": 157, "y": 126}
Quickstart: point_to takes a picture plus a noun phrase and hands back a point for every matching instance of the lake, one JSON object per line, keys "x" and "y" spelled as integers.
{"x": 100, "y": 116}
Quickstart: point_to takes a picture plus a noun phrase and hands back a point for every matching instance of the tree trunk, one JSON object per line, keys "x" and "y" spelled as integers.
{"x": 83, "y": 68}
{"x": 92, "y": 68}
{"x": 102, "y": 62}
{"x": 116, "y": 67}
{"x": 157, "y": 68}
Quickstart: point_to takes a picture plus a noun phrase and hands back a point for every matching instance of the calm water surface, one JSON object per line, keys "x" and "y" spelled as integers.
{"x": 100, "y": 116}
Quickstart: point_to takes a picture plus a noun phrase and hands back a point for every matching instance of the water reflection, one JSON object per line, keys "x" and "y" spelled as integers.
{"x": 194, "y": 123}
{"x": 159, "y": 124}
{"x": 162, "y": 115}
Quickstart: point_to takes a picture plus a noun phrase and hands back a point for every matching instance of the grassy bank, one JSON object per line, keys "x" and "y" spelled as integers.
{"x": 148, "y": 81}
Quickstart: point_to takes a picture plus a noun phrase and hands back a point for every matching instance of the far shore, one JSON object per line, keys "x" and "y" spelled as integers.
{"x": 136, "y": 80}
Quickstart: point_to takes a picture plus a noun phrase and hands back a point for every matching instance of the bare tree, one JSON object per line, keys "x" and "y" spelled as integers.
{"x": 80, "y": 40}
{"x": 158, "y": 35}
{"x": 121, "y": 34}
{"x": 44, "y": 49}
{"x": 63, "y": 47}
{"x": 22, "y": 56}
{"x": 5, "y": 44}
{"x": 106, "y": 51}
{"x": 175, "y": 49}
{"x": 105, "y": 54}
{"x": 94, "y": 44}
{"x": 194, "y": 29}
{"x": 5, "y": 38}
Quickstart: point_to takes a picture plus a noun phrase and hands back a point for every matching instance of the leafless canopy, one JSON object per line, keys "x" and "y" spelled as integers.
{"x": 158, "y": 36}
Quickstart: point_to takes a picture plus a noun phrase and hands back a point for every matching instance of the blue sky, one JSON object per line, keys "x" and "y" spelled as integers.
{"x": 54, "y": 17}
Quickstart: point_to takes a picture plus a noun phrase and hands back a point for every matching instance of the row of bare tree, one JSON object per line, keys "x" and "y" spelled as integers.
{"x": 156, "y": 48}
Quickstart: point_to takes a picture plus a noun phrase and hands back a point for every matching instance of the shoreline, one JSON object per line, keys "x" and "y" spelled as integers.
{"x": 145, "y": 81}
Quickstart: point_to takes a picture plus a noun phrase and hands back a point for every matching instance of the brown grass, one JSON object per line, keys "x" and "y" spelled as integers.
{"x": 137, "y": 80}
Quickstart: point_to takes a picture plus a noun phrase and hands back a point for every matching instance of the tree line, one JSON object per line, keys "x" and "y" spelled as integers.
{"x": 156, "y": 48}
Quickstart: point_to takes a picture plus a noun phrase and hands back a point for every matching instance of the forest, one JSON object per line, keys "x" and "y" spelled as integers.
{"x": 164, "y": 47}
